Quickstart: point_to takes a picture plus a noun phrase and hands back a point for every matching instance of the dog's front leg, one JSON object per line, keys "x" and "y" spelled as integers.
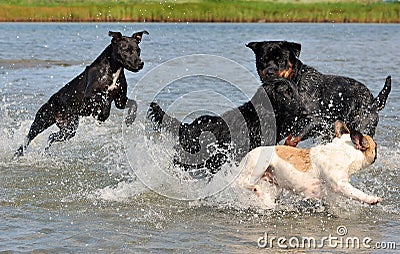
{"x": 310, "y": 125}
{"x": 123, "y": 102}
{"x": 132, "y": 108}
{"x": 350, "y": 191}
{"x": 121, "y": 99}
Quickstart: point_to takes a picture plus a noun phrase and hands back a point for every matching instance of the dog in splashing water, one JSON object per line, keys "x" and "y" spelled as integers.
{"x": 91, "y": 92}
{"x": 308, "y": 171}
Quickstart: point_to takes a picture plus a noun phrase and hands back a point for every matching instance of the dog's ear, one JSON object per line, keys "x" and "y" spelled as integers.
{"x": 138, "y": 36}
{"x": 117, "y": 36}
{"x": 253, "y": 45}
{"x": 359, "y": 141}
{"x": 341, "y": 128}
{"x": 294, "y": 47}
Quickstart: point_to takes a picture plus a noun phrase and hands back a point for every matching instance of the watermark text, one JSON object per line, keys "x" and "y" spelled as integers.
{"x": 338, "y": 240}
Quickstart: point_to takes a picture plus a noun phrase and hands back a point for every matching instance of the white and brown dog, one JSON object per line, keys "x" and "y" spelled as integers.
{"x": 309, "y": 172}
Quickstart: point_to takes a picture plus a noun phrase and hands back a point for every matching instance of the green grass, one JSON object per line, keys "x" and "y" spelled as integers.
{"x": 199, "y": 11}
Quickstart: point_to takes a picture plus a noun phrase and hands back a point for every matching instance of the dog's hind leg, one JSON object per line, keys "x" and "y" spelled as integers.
{"x": 68, "y": 129}
{"x": 45, "y": 117}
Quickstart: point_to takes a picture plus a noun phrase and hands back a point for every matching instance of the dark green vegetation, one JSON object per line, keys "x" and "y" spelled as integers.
{"x": 199, "y": 11}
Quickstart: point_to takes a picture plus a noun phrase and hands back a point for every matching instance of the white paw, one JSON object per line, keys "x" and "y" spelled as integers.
{"x": 373, "y": 200}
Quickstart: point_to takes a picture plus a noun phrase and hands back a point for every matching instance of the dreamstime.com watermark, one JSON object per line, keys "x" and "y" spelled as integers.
{"x": 340, "y": 240}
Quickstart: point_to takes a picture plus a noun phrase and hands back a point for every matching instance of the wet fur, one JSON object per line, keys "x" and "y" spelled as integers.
{"x": 331, "y": 165}
{"x": 325, "y": 98}
{"x": 256, "y": 118}
{"x": 91, "y": 92}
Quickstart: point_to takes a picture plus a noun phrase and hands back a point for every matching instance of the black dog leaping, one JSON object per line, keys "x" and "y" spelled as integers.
{"x": 92, "y": 92}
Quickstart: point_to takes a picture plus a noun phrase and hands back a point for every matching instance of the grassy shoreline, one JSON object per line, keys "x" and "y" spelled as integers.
{"x": 197, "y": 11}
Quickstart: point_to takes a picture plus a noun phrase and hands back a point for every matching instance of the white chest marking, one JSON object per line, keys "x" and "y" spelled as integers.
{"x": 114, "y": 84}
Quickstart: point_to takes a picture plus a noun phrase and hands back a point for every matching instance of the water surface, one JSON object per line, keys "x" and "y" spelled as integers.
{"x": 83, "y": 195}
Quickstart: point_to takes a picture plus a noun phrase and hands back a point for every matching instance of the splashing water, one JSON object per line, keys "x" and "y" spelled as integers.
{"x": 85, "y": 193}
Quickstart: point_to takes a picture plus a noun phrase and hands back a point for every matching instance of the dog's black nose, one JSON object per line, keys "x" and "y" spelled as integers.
{"x": 141, "y": 65}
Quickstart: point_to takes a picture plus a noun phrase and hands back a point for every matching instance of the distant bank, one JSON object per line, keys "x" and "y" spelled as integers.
{"x": 199, "y": 11}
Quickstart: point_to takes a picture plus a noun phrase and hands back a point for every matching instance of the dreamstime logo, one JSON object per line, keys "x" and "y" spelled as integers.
{"x": 341, "y": 230}
{"x": 339, "y": 240}
{"x": 185, "y": 88}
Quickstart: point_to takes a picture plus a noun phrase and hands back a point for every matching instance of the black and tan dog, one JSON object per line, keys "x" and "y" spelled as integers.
{"x": 91, "y": 92}
{"x": 325, "y": 98}
{"x": 305, "y": 103}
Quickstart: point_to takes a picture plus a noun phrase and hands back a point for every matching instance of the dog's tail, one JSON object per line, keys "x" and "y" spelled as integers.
{"x": 380, "y": 100}
{"x": 161, "y": 119}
